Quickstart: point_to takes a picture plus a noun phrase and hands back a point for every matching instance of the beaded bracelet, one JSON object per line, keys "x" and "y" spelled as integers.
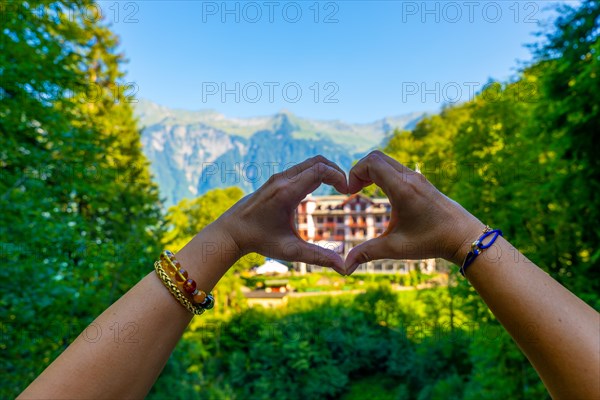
{"x": 200, "y": 300}
{"x": 477, "y": 246}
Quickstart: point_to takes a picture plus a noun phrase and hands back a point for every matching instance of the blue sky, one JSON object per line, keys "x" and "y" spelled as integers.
{"x": 356, "y": 61}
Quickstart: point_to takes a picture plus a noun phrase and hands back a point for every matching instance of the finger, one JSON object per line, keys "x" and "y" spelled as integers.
{"x": 309, "y": 253}
{"x": 307, "y": 181}
{"x": 394, "y": 164}
{"x": 371, "y": 169}
{"x": 374, "y": 249}
{"x": 297, "y": 169}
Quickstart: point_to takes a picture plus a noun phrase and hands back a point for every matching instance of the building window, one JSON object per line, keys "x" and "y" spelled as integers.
{"x": 340, "y": 220}
{"x": 329, "y": 219}
{"x": 377, "y": 219}
{"x": 319, "y": 220}
{"x": 340, "y": 232}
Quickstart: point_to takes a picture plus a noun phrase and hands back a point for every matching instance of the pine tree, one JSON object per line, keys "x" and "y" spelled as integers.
{"x": 79, "y": 222}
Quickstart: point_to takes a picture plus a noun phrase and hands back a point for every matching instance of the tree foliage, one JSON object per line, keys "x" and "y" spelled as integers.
{"x": 522, "y": 155}
{"x": 323, "y": 348}
{"x": 79, "y": 222}
{"x": 189, "y": 217}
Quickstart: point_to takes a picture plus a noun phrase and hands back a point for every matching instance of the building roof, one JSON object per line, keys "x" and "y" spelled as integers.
{"x": 357, "y": 196}
{"x": 333, "y": 198}
{"x": 341, "y": 199}
{"x": 272, "y": 267}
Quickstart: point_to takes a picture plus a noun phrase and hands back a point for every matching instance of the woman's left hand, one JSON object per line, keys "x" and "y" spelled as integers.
{"x": 264, "y": 221}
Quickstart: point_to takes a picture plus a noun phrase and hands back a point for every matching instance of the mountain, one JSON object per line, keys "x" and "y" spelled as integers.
{"x": 192, "y": 152}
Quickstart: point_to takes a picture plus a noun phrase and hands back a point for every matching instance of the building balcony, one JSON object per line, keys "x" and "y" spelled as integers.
{"x": 357, "y": 225}
{"x": 331, "y": 238}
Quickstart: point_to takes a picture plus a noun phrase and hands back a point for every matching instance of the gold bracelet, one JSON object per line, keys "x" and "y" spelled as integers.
{"x": 174, "y": 290}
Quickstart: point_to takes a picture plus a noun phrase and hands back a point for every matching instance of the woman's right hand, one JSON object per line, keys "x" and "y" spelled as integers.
{"x": 424, "y": 222}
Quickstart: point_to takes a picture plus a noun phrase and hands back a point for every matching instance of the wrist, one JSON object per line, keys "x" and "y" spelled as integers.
{"x": 209, "y": 255}
{"x": 464, "y": 231}
{"x": 233, "y": 234}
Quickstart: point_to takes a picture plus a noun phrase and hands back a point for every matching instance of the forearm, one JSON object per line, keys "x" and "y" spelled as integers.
{"x": 557, "y": 331}
{"x": 123, "y": 351}
{"x": 127, "y": 368}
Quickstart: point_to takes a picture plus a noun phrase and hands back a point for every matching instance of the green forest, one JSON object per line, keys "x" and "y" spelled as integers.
{"x": 82, "y": 221}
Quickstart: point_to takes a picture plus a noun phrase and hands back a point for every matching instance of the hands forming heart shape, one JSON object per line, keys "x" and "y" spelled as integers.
{"x": 424, "y": 223}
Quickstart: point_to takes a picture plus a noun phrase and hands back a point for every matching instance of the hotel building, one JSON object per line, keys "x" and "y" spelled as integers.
{"x": 341, "y": 222}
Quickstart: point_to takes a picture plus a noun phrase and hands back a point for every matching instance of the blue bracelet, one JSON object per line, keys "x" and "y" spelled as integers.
{"x": 478, "y": 246}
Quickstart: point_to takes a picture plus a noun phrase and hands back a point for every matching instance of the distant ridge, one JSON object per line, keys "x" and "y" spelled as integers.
{"x": 192, "y": 152}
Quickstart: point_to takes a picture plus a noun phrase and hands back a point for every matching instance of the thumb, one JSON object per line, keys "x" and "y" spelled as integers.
{"x": 312, "y": 254}
{"x": 374, "y": 249}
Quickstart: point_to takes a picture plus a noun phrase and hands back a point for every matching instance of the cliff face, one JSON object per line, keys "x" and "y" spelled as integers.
{"x": 193, "y": 152}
